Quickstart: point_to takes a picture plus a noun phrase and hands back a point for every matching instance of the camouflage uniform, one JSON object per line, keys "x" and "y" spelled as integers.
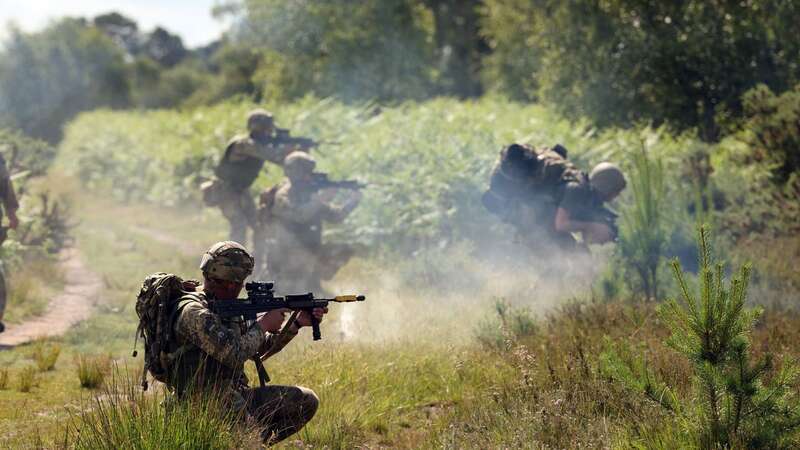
{"x": 240, "y": 165}
{"x": 209, "y": 353}
{"x": 244, "y": 157}
{"x": 296, "y": 255}
{"x": 10, "y": 205}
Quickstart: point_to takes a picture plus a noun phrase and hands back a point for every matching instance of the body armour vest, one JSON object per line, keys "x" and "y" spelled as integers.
{"x": 240, "y": 174}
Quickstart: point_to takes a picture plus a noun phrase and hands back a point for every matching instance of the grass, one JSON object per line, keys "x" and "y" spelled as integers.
{"x": 46, "y": 355}
{"x": 26, "y": 379}
{"x": 3, "y": 379}
{"x": 31, "y": 286}
{"x": 429, "y": 360}
{"x": 92, "y": 370}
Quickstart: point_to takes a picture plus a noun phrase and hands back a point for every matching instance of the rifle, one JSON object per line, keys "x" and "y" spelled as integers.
{"x": 321, "y": 181}
{"x": 261, "y": 298}
{"x": 282, "y": 137}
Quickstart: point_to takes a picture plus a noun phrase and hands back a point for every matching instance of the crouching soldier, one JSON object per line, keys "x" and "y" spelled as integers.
{"x": 294, "y": 213}
{"x": 209, "y": 352}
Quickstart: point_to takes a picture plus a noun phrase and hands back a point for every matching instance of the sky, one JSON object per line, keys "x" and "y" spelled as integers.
{"x": 190, "y": 19}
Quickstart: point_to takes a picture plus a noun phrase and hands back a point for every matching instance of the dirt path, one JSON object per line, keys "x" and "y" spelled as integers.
{"x": 66, "y": 309}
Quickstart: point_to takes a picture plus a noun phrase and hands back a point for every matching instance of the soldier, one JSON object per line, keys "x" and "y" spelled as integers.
{"x": 211, "y": 351}
{"x": 581, "y": 205}
{"x": 295, "y": 212}
{"x": 546, "y": 198}
{"x": 10, "y": 204}
{"x": 240, "y": 165}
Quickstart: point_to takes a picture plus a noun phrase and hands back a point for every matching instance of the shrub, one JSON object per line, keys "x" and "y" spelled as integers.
{"x": 26, "y": 379}
{"x": 92, "y": 370}
{"x": 46, "y": 355}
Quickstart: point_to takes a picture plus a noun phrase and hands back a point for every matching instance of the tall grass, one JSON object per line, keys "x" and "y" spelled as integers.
{"x": 92, "y": 370}
{"x": 644, "y": 230}
{"x": 3, "y": 379}
{"x": 26, "y": 379}
{"x": 46, "y": 355}
{"x": 123, "y": 416}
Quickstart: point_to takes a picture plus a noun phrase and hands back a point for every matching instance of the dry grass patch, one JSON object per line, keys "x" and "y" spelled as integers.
{"x": 26, "y": 379}
{"x": 46, "y": 355}
{"x": 92, "y": 370}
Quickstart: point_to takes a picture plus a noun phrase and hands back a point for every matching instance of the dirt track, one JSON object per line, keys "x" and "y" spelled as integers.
{"x": 66, "y": 309}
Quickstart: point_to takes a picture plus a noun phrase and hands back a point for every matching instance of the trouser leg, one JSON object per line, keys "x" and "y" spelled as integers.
{"x": 239, "y": 209}
{"x": 281, "y": 410}
{"x": 3, "y": 291}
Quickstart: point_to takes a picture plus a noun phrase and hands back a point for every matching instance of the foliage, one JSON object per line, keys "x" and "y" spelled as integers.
{"x": 48, "y": 77}
{"x": 370, "y": 50}
{"x": 427, "y": 162}
{"x": 625, "y": 60}
{"x": 643, "y": 232}
{"x": 741, "y": 403}
{"x": 771, "y": 128}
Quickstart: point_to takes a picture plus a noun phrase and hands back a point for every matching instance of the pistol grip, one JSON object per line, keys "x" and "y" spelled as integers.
{"x": 315, "y": 328}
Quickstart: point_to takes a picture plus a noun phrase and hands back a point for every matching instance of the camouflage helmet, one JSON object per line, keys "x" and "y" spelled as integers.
{"x": 607, "y": 179}
{"x": 259, "y": 119}
{"x": 227, "y": 260}
{"x": 298, "y": 163}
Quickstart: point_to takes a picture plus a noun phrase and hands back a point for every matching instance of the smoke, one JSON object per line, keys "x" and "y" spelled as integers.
{"x": 442, "y": 295}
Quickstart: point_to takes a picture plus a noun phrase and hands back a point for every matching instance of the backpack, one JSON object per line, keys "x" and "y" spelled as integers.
{"x": 157, "y": 307}
{"x": 524, "y": 175}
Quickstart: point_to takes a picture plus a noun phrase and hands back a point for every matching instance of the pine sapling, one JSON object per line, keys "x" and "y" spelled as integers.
{"x": 712, "y": 328}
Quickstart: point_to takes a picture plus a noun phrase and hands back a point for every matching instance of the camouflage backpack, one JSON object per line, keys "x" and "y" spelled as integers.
{"x": 524, "y": 175}
{"x": 157, "y": 307}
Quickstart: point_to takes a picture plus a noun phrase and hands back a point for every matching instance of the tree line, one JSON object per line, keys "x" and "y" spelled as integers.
{"x": 687, "y": 64}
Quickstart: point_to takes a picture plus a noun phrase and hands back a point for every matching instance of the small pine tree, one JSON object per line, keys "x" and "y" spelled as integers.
{"x": 738, "y": 407}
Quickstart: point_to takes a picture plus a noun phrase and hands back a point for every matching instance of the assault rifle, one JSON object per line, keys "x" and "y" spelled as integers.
{"x": 261, "y": 298}
{"x": 282, "y": 137}
{"x": 321, "y": 181}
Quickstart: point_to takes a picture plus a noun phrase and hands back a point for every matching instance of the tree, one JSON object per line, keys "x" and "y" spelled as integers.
{"x": 621, "y": 61}
{"x": 48, "y": 77}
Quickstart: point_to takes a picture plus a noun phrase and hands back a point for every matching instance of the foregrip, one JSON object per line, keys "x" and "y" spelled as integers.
{"x": 315, "y": 327}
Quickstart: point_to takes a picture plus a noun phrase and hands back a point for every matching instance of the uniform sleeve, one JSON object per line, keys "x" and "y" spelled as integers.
{"x": 10, "y": 202}
{"x": 276, "y": 342}
{"x": 9, "y": 198}
{"x": 271, "y": 151}
{"x": 201, "y": 327}
{"x": 575, "y": 198}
